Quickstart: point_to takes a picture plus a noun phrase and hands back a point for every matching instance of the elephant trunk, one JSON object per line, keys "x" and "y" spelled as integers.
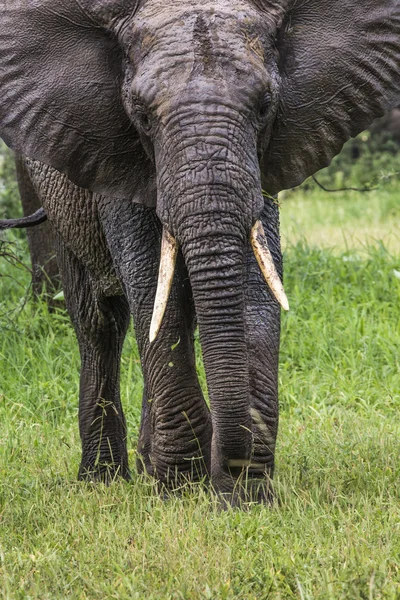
{"x": 209, "y": 199}
{"x": 217, "y": 283}
{"x": 213, "y": 247}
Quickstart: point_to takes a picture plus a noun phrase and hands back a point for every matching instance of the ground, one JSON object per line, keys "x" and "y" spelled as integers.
{"x": 335, "y": 531}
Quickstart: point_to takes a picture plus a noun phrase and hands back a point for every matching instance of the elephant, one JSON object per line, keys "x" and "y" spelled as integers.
{"x": 157, "y": 135}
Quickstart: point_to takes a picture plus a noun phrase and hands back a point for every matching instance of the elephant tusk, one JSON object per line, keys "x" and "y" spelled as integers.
{"x": 169, "y": 252}
{"x": 266, "y": 263}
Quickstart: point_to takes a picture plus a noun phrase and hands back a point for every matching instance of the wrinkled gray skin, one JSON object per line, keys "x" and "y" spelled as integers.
{"x": 241, "y": 355}
{"x": 214, "y": 91}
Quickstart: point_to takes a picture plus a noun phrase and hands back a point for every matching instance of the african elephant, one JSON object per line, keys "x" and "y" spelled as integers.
{"x": 157, "y": 124}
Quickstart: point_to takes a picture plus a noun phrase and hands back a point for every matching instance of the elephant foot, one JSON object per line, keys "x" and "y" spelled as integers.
{"x": 175, "y": 466}
{"x": 103, "y": 473}
{"x": 243, "y": 496}
{"x": 175, "y": 473}
{"x": 184, "y": 473}
{"x": 181, "y": 487}
{"x": 173, "y": 482}
{"x": 172, "y": 475}
{"x": 105, "y": 465}
{"x": 240, "y": 486}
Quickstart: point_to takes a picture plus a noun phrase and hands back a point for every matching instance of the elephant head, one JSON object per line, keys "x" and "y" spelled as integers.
{"x": 193, "y": 107}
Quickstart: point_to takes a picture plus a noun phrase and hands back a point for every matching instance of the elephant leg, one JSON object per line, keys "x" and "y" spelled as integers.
{"x": 263, "y": 327}
{"x": 180, "y": 422}
{"x": 175, "y": 433}
{"x": 100, "y": 324}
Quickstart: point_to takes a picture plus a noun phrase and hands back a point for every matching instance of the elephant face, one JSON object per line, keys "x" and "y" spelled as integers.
{"x": 201, "y": 87}
{"x": 66, "y": 95}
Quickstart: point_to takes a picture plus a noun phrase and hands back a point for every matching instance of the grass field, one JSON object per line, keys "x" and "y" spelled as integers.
{"x": 335, "y": 533}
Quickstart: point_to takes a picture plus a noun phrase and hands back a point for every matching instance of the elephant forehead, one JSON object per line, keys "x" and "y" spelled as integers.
{"x": 217, "y": 40}
{"x": 219, "y": 24}
{"x": 170, "y": 10}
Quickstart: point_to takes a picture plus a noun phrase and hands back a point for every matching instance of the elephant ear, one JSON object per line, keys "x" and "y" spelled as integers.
{"x": 340, "y": 69}
{"x": 60, "y": 94}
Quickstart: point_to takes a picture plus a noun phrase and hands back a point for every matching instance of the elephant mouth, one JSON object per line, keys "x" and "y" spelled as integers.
{"x": 169, "y": 252}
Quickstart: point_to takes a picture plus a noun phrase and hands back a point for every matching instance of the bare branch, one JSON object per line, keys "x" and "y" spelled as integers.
{"x": 345, "y": 189}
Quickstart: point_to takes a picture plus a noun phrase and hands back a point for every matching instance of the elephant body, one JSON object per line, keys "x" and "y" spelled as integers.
{"x": 149, "y": 130}
{"x": 176, "y": 429}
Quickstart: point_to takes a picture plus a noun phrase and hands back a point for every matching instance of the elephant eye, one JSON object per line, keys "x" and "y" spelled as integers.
{"x": 145, "y": 121}
{"x": 142, "y": 117}
{"x": 265, "y": 103}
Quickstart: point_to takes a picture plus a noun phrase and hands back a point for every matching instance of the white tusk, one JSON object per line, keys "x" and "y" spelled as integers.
{"x": 169, "y": 252}
{"x": 265, "y": 260}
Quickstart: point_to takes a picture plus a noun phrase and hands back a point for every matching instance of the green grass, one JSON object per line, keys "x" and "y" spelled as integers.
{"x": 335, "y": 533}
{"x": 340, "y": 221}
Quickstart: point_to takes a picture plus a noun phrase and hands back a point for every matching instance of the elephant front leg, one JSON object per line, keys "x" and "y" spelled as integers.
{"x": 100, "y": 324}
{"x": 175, "y": 431}
{"x": 177, "y": 418}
